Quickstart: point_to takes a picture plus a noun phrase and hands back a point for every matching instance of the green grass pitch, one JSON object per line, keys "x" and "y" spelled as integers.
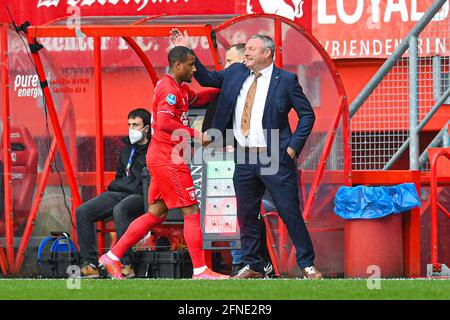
{"x": 186, "y": 289}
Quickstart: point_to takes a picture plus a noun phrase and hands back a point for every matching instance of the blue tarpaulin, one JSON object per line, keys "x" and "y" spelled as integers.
{"x": 362, "y": 202}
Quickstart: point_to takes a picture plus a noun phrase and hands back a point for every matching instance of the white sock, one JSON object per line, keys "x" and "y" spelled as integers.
{"x": 197, "y": 271}
{"x": 112, "y": 256}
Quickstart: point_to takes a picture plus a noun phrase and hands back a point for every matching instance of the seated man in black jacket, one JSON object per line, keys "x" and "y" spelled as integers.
{"x": 124, "y": 199}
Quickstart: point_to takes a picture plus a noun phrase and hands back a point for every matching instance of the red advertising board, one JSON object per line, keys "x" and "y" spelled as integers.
{"x": 66, "y": 51}
{"x": 42, "y": 11}
{"x": 347, "y": 29}
{"x": 39, "y": 12}
{"x": 374, "y": 28}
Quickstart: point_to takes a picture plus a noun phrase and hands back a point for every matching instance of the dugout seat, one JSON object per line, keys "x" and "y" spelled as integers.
{"x": 24, "y": 161}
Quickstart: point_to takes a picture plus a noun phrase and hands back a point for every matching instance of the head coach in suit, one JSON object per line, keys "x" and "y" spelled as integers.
{"x": 254, "y": 102}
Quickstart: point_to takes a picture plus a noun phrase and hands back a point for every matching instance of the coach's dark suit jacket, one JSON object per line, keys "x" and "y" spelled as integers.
{"x": 284, "y": 93}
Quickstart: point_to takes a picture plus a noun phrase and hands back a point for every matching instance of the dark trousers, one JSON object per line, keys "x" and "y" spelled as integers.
{"x": 237, "y": 253}
{"x": 250, "y": 186}
{"x": 123, "y": 207}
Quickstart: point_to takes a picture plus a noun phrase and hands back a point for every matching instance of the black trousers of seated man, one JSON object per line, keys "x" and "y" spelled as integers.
{"x": 123, "y": 207}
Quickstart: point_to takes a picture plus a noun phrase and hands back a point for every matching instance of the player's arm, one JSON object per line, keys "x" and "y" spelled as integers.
{"x": 202, "y": 97}
{"x": 168, "y": 123}
{"x": 167, "y": 120}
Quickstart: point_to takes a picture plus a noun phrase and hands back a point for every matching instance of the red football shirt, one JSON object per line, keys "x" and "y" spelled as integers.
{"x": 174, "y": 99}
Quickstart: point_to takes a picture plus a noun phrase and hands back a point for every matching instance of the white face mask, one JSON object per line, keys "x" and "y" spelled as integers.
{"x": 135, "y": 136}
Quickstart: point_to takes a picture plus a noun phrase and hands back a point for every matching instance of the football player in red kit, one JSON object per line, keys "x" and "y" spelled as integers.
{"x": 171, "y": 184}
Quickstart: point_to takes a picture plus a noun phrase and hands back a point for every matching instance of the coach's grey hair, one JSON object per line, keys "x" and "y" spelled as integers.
{"x": 268, "y": 43}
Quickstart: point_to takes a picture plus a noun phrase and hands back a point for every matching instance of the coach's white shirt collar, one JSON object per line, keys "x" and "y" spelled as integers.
{"x": 266, "y": 72}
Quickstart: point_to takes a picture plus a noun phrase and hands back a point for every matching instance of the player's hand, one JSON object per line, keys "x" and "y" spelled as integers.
{"x": 206, "y": 140}
{"x": 179, "y": 39}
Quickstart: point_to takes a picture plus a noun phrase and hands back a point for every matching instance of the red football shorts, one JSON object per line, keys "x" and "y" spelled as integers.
{"x": 173, "y": 184}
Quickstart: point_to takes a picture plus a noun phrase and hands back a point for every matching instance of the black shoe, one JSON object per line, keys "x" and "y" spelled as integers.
{"x": 89, "y": 271}
{"x": 235, "y": 269}
{"x": 247, "y": 273}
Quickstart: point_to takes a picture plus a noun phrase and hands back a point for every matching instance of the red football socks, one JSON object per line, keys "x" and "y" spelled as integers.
{"x": 194, "y": 239}
{"x": 135, "y": 232}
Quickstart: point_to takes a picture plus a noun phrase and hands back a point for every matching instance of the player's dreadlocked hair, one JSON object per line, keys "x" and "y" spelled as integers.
{"x": 179, "y": 53}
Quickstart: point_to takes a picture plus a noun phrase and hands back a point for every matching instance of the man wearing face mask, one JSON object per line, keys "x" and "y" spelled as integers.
{"x": 124, "y": 199}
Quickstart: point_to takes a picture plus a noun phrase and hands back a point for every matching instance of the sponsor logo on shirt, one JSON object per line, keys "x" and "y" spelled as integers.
{"x": 171, "y": 99}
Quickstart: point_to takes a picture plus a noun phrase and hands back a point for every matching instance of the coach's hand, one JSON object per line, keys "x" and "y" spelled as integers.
{"x": 179, "y": 39}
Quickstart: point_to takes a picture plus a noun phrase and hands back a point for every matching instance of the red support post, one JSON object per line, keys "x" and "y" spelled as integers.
{"x": 434, "y": 203}
{"x": 71, "y": 125}
{"x": 434, "y": 213}
{"x": 9, "y": 216}
{"x": 278, "y": 39}
{"x": 99, "y": 146}
{"x": 3, "y": 262}
{"x": 444, "y": 211}
{"x": 411, "y": 236}
{"x": 74, "y": 158}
